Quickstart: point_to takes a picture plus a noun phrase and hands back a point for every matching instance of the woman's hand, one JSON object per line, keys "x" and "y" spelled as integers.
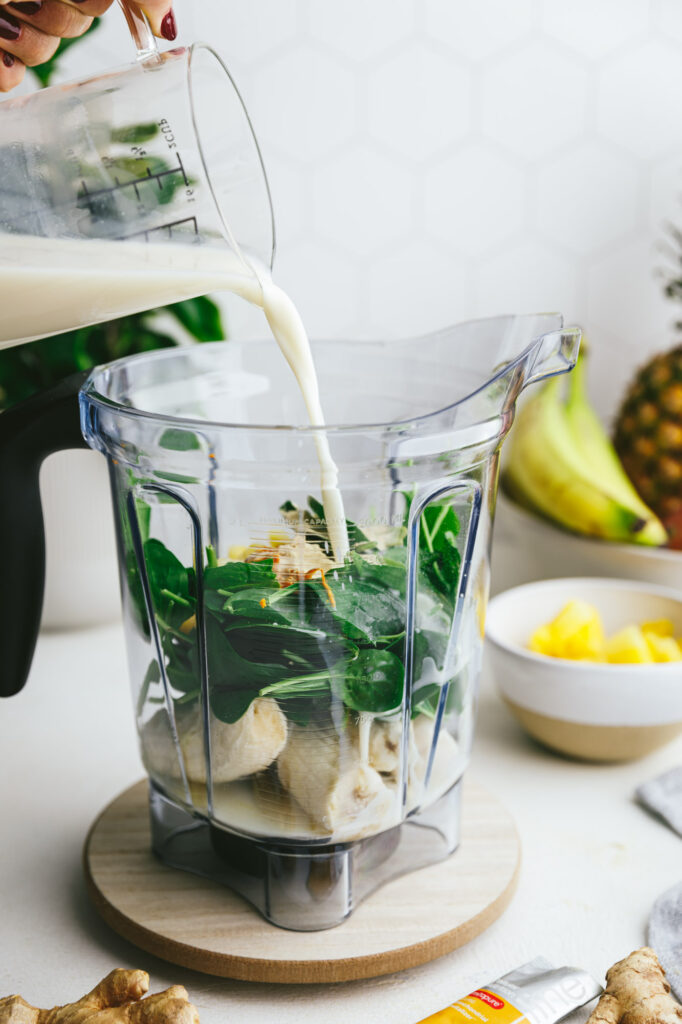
{"x": 30, "y": 30}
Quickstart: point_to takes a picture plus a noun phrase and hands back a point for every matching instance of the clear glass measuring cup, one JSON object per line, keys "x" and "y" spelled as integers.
{"x": 161, "y": 150}
{"x": 305, "y": 724}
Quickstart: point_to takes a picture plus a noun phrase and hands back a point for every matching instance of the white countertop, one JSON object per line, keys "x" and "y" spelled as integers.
{"x": 593, "y": 860}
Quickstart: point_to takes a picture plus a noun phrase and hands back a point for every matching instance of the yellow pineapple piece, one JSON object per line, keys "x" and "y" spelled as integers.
{"x": 661, "y": 627}
{"x": 237, "y": 553}
{"x": 662, "y": 648}
{"x": 577, "y": 632}
{"x": 628, "y": 647}
{"x": 541, "y": 641}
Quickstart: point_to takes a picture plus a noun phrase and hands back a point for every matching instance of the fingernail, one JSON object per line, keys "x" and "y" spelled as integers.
{"x": 10, "y": 28}
{"x": 169, "y": 29}
{"x": 27, "y": 6}
{"x": 7, "y": 59}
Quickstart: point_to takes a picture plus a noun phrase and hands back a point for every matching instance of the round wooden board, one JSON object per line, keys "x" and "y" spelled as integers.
{"x": 200, "y": 924}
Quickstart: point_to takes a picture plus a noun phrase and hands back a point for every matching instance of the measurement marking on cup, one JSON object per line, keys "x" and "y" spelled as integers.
{"x": 167, "y": 227}
{"x": 89, "y": 195}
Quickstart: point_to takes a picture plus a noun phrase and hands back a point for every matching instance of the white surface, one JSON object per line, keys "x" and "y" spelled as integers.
{"x": 576, "y": 691}
{"x": 81, "y": 568}
{"x": 526, "y": 154}
{"x": 593, "y": 860}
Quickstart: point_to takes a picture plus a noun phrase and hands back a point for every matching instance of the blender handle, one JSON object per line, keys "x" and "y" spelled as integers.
{"x": 29, "y": 432}
{"x": 140, "y": 30}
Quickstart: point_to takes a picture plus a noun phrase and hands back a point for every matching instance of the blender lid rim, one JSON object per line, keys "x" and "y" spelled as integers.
{"x": 94, "y": 397}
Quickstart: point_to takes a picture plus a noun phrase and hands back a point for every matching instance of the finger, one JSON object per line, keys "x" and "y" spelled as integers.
{"x": 91, "y": 8}
{"x": 51, "y": 17}
{"x": 23, "y": 41}
{"x": 12, "y": 71}
{"x": 161, "y": 17}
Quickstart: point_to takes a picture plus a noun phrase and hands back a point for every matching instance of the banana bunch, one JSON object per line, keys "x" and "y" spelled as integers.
{"x": 561, "y": 464}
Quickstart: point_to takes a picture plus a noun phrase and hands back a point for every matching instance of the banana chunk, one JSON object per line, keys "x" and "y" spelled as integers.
{"x": 385, "y": 742}
{"x": 324, "y": 773}
{"x": 242, "y": 748}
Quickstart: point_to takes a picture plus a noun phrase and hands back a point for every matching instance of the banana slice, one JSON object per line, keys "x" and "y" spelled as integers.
{"x": 384, "y": 745}
{"x": 243, "y": 748}
{"x": 323, "y": 772}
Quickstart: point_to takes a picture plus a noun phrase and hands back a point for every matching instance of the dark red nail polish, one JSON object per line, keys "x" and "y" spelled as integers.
{"x": 27, "y": 6}
{"x": 169, "y": 29}
{"x": 10, "y": 28}
{"x": 7, "y": 59}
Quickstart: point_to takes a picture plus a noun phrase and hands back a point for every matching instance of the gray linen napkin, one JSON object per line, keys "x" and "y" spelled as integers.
{"x": 665, "y": 935}
{"x": 663, "y": 796}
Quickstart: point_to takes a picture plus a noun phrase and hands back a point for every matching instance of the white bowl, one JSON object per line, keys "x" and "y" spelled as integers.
{"x": 588, "y": 710}
{"x": 528, "y": 547}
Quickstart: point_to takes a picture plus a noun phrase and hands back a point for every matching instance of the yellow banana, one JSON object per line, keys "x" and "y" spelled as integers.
{"x": 595, "y": 448}
{"x": 546, "y": 470}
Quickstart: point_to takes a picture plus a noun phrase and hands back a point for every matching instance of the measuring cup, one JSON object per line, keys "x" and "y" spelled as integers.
{"x": 159, "y": 151}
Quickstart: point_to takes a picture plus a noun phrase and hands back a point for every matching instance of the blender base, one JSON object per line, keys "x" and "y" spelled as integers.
{"x": 199, "y": 923}
{"x": 303, "y": 888}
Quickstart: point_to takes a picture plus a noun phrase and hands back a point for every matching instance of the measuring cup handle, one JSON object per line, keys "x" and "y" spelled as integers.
{"x": 29, "y": 432}
{"x": 140, "y": 30}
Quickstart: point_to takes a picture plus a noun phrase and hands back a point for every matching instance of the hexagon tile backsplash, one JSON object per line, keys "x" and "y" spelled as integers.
{"x": 433, "y": 160}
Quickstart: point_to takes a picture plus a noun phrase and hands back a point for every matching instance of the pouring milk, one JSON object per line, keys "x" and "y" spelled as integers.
{"x": 57, "y": 285}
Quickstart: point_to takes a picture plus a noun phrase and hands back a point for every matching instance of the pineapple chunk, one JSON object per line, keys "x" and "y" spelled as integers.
{"x": 662, "y": 648}
{"x": 577, "y": 632}
{"x": 628, "y": 647}
{"x": 541, "y": 641}
{"x": 661, "y": 627}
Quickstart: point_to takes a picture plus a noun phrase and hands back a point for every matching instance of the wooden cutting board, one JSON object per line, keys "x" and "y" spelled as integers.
{"x": 202, "y": 925}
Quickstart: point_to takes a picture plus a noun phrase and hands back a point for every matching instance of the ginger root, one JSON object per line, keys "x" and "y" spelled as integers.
{"x": 116, "y": 1000}
{"x": 637, "y": 993}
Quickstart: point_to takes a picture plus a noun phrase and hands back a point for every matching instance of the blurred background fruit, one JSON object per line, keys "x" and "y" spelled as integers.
{"x": 648, "y": 437}
{"x": 561, "y": 464}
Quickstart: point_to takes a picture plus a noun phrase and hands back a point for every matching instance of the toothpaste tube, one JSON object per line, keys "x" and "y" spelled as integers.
{"x": 537, "y": 993}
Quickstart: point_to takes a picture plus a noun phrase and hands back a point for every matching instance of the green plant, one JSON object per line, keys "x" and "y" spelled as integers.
{"x": 27, "y": 369}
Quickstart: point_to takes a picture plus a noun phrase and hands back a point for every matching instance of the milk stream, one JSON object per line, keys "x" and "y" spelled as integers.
{"x": 53, "y": 285}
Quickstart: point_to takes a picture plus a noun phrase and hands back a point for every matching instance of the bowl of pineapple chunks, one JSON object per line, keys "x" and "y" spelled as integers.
{"x": 590, "y": 667}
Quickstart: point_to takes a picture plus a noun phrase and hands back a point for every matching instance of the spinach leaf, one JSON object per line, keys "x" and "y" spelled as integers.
{"x": 234, "y": 682}
{"x": 237, "y": 575}
{"x": 364, "y": 610}
{"x": 440, "y": 559}
{"x": 373, "y": 682}
{"x": 289, "y": 646}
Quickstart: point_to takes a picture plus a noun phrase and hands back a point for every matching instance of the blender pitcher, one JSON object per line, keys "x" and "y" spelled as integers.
{"x": 159, "y": 151}
{"x": 305, "y": 724}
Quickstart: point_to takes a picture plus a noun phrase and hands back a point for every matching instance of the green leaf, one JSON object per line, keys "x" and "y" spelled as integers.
{"x": 201, "y": 317}
{"x": 289, "y": 646}
{"x": 134, "y": 134}
{"x": 47, "y": 69}
{"x": 237, "y": 575}
{"x": 364, "y": 610}
{"x": 234, "y": 682}
{"x": 372, "y": 683}
{"x": 177, "y": 440}
{"x": 152, "y": 675}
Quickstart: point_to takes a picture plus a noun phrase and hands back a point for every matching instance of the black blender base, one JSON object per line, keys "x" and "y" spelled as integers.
{"x": 297, "y": 887}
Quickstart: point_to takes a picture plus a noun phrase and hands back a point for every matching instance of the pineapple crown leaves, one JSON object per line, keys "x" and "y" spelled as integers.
{"x": 672, "y": 249}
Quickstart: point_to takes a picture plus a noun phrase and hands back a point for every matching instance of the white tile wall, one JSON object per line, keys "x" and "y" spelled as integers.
{"x": 432, "y": 160}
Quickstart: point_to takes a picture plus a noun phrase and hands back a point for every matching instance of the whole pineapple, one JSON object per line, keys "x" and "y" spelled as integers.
{"x": 648, "y": 437}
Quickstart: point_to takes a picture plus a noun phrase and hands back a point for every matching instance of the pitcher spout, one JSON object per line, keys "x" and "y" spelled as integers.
{"x": 553, "y": 353}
